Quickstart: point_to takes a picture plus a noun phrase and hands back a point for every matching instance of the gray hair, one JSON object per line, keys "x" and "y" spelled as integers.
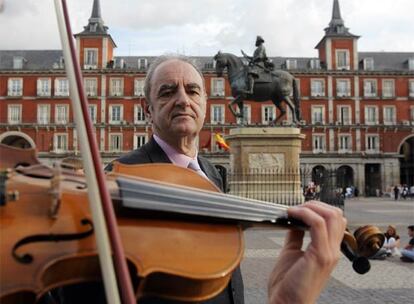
{"x": 159, "y": 60}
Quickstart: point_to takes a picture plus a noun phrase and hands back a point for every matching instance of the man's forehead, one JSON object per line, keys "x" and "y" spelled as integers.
{"x": 173, "y": 71}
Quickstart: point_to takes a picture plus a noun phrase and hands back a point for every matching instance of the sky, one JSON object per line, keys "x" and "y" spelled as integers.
{"x": 290, "y": 28}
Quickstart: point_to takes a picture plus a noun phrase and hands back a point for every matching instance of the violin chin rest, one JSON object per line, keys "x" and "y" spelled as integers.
{"x": 361, "y": 265}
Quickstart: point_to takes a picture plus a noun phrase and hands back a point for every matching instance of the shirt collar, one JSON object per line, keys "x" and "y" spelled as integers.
{"x": 175, "y": 157}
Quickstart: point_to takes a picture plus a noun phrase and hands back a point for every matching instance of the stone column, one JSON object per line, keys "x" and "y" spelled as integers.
{"x": 265, "y": 164}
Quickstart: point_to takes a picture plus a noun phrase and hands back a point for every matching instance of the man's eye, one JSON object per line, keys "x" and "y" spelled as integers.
{"x": 194, "y": 92}
{"x": 165, "y": 93}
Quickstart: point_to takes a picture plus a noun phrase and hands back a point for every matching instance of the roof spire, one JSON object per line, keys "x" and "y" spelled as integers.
{"x": 336, "y": 15}
{"x": 96, "y": 24}
{"x": 96, "y": 10}
{"x": 336, "y": 25}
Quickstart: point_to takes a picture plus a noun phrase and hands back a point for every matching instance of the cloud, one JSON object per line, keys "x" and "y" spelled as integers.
{"x": 151, "y": 27}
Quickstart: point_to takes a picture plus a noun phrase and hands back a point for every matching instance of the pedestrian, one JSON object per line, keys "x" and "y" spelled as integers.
{"x": 407, "y": 253}
{"x": 391, "y": 244}
{"x": 396, "y": 192}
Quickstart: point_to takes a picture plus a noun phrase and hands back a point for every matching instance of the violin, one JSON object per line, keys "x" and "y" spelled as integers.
{"x": 182, "y": 238}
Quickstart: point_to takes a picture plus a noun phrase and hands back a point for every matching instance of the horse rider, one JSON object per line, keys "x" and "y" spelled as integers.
{"x": 258, "y": 63}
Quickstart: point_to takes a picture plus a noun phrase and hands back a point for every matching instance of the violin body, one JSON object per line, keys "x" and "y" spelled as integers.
{"x": 180, "y": 260}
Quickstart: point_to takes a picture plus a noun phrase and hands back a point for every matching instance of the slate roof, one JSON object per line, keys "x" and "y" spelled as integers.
{"x": 43, "y": 60}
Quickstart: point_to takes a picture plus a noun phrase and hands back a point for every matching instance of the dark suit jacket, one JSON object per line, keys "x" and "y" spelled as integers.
{"x": 151, "y": 152}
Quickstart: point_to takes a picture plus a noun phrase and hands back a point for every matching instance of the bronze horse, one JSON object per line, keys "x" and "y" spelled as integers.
{"x": 278, "y": 88}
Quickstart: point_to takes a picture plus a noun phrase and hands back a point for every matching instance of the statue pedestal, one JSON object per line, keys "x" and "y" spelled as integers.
{"x": 265, "y": 164}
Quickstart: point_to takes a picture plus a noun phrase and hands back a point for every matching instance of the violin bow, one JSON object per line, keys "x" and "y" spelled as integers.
{"x": 107, "y": 234}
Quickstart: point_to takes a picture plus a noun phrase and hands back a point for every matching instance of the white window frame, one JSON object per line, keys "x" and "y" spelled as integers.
{"x": 411, "y": 64}
{"x": 90, "y": 64}
{"x": 412, "y": 115}
{"x": 369, "y": 64}
{"x": 347, "y": 92}
{"x": 247, "y": 117}
{"x": 390, "y": 92}
{"x": 139, "y": 114}
{"x": 115, "y": 89}
{"x": 318, "y": 143}
{"x": 14, "y": 114}
{"x": 370, "y": 88}
{"x": 15, "y": 86}
{"x": 213, "y": 119}
{"x": 315, "y": 87}
{"x": 216, "y": 89}
{"x": 57, "y": 143}
{"x": 368, "y": 143}
{"x": 139, "y": 140}
{"x": 315, "y": 64}
{"x": 340, "y": 119}
{"x": 111, "y": 137}
{"x": 368, "y": 121}
{"x": 44, "y": 86}
{"x": 61, "y": 120}
{"x": 389, "y": 120}
{"x": 342, "y": 139}
{"x": 142, "y": 63}
{"x": 139, "y": 87}
{"x": 18, "y": 62}
{"x": 91, "y": 86}
{"x": 315, "y": 117}
{"x": 266, "y": 110}
{"x": 347, "y": 65}
{"x": 411, "y": 88}
{"x": 121, "y": 114}
{"x": 93, "y": 112}
{"x": 61, "y": 87}
{"x": 43, "y": 117}
{"x": 291, "y": 64}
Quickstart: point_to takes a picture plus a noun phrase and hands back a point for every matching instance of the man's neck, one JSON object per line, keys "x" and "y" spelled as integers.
{"x": 184, "y": 145}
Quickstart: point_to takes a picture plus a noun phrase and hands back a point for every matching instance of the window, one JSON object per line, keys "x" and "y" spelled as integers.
{"x": 390, "y": 115}
{"x": 370, "y": 88}
{"x": 91, "y": 58}
{"x": 291, "y": 64}
{"x": 18, "y": 62}
{"x": 142, "y": 63}
{"x": 139, "y": 140}
{"x": 315, "y": 64}
{"x": 139, "y": 115}
{"x": 91, "y": 86}
{"x": 217, "y": 114}
{"x": 318, "y": 143}
{"x": 344, "y": 115}
{"x": 368, "y": 64}
{"x": 139, "y": 86}
{"x": 43, "y": 87}
{"x": 217, "y": 87}
{"x": 60, "y": 143}
{"x": 61, "y": 114}
{"x": 246, "y": 115}
{"x": 117, "y": 86}
{"x": 116, "y": 114}
{"x": 92, "y": 112}
{"x": 318, "y": 116}
{"x": 15, "y": 87}
{"x": 342, "y": 60}
{"x": 115, "y": 142}
{"x": 61, "y": 87}
{"x": 371, "y": 115}
{"x": 411, "y": 64}
{"x": 412, "y": 114}
{"x": 372, "y": 143}
{"x": 343, "y": 88}
{"x": 317, "y": 87}
{"x": 411, "y": 88}
{"x": 345, "y": 143}
{"x": 268, "y": 114}
{"x": 43, "y": 114}
{"x": 388, "y": 88}
{"x": 14, "y": 114}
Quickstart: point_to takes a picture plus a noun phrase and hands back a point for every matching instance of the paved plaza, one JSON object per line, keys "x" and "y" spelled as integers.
{"x": 388, "y": 281}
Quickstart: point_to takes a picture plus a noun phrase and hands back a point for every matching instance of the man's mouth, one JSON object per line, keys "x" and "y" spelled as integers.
{"x": 182, "y": 115}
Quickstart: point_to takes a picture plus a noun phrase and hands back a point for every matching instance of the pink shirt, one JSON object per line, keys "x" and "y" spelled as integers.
{"x": 175, "y": 157}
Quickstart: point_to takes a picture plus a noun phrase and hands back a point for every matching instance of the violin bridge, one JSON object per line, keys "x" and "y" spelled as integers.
{"x": 55, "y": 191}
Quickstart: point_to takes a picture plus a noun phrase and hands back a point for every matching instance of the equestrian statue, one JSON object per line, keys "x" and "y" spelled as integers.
{"x": 258, "y": 81}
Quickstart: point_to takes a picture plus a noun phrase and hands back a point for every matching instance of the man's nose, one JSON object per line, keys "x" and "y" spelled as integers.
{"x": 182, "y": 98}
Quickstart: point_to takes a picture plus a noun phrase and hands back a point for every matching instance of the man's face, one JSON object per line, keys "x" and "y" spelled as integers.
{"x": 410, "y": 232}
{"x": 178, "y": 100}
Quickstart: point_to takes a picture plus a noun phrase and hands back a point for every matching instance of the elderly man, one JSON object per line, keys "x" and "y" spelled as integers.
{"x": 176, "y": 107}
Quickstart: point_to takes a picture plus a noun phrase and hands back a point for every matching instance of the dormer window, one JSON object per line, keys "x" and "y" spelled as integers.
{"x": 18, "y": 62}
{"x": 411, "y": 64}
{"x": 315, "y": 64}
{"x": 291, "y": 64}
{"x": 368, "y": 64}
{"x": 91, "y": 58}
{"x": 210, "y": 65}
{"x": 142, "y": 63}
{"x": 120, "y": 63}
{"x": 342, "y": 60}
{"x": 61, "y": 62}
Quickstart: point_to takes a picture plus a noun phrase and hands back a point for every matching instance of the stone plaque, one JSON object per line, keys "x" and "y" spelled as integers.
{"x": 266, "y": 160}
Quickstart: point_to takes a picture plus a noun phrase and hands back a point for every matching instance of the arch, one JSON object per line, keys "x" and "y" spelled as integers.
{"x": 344, "y": 176}
{"x": 403, "y": 141}
{"x": 17, "y": 139}
{"x": 406, "y": 151}
{"x": 319, "y": 173}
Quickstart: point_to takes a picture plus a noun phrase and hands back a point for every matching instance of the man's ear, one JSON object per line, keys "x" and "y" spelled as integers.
{"x": 147, "y": 111}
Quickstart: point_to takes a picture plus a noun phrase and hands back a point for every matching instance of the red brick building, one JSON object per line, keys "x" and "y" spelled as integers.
{"x": 357, "y": 107}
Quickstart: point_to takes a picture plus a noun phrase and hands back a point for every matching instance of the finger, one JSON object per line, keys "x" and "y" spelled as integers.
{"x": 294, "y": 240}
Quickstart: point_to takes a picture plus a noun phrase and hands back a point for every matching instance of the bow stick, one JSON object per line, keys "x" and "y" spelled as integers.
{"x": 107, "y": 235}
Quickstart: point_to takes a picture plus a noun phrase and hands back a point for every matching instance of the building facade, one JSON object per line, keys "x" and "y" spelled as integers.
{"x": 357, "y": 107}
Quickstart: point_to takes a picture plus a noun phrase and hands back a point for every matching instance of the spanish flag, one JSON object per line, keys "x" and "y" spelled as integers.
{"x": 221, "y": 142}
